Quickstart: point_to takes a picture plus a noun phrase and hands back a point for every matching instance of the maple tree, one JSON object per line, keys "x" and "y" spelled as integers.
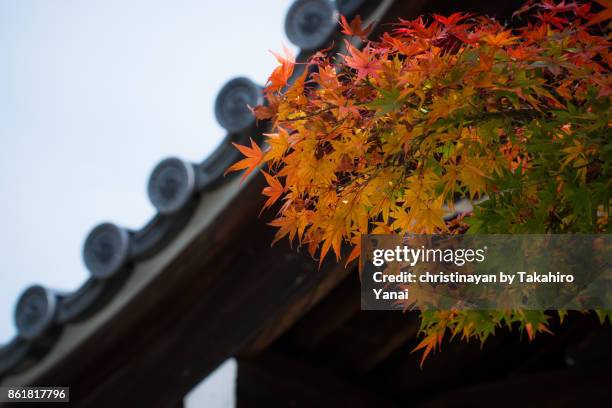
{"x": 383, "y": 138}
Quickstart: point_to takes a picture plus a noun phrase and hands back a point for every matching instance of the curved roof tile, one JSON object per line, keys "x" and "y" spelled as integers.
{"x": 174, "y": 187}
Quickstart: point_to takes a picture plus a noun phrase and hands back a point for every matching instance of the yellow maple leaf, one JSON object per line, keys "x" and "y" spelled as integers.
{"x": 278, "y": 143}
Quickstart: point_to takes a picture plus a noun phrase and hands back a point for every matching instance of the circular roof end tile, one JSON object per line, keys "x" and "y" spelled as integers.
{"x": 348, "y": 7}
{"x": 233, "y": 101}
{"x": 106, "y": 250}
{"x": 171, "y": 185}
{"x": 35, "y": 312}
{"x": 310, "y": 23}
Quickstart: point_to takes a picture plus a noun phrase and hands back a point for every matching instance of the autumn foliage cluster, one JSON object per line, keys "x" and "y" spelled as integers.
{"x": 384, "y": 136}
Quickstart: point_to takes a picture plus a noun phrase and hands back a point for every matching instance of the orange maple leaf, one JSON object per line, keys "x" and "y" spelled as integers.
{"x": 355, "y": 28}
{"x": 356, "y": 251}
{"x": 254, "y": 157}
{"x": 531, "y": 333}
{"x": 274, "y": 190}
{"x": 278, "y": 143}
{"x": 408, "y": 48}
{"x": 281, "y": 74}
{"x": 500, "y": 39}
{"x": 430, "y": 343}
{"x": 333, "y": 234}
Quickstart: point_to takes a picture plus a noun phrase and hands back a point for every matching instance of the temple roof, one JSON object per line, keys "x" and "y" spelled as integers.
{"x": 187, "y": 197}
{"x": 166, "y": 304}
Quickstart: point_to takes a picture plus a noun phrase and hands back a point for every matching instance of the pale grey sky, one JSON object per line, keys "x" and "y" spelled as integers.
{"x": 93, "y": 93}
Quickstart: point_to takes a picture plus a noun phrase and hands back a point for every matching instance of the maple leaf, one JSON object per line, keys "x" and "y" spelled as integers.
{"x": 428, "y": 216}
{"x": 450, "y": 179}
{"x": 604, "y": 15}
{"x": 531, "y": 333}
{"x": 430, "y": 343}
{"x": 381, "y": 228}
{"x": 355, "y": 27}
{"x": 452, "y": 20}
{"x": 561, "y": 7}
{"x": 389, "y": 101}
{"x": 533, "y": 322}
{"x": 320, "y": 56}
{"x": 605, "y": 87}
{"x": 274, "y": 190}
{"x": 262, "y": 112}
{"x": 485, "y": 62}
{"x": 501, "y": 39}
{"x": 327, "y": 77}
{"x": 403, "y": 221}
{"x": 577, "y": 155}
{"x": 254, "y": 157}
{"x": 583, "y": 10}
{"x": 418, "y": 28}
{"x": 281, "y": 74}
{"x": 279, "y": 143}
{"x": 333, "y": 234}
{"x": 534, "y": 34}
{"x": 295, "y": 90}
{"x": 267, "y": 110}
{"x": 408, "y": 48}
{"x": 473, "y": 178}
{"x": 292, "y": 223}
{"x": 356, "y": 251}
{"x": 449, "y": 43}
{"x": 444, "y": 106}
{"x": 391, "y": 133}
{"x": 346, "y": 109}
{"x": 524, "y": 8}
{"x": 552, "y": 19}
{"x": 364, "y": 62}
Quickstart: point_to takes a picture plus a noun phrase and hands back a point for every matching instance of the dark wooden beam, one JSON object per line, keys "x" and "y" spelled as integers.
{"x": 302, "y": 306}
{"x": 388, "y": 343}
{"x": 502, "y": 357}
{"x": 210, "y": 302}
{"x": 274, "y": 380}
{"x": 567, "y": 388}
{"x": 356, "y": 345}
{"x": 342, "y": 304}
{"x": 338, "y": 326}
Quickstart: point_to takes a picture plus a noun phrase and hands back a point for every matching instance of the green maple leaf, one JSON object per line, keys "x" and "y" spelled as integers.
{"x": 388, "y": 102}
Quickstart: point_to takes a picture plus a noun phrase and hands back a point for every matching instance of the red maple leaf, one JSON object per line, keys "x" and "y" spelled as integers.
{"x": 553, "y": 20}
{"x": 452, "y": 20}
{"x": 418, "y": 28}
{"x": 583, "y": 10}
{"x": 557, "y": 8}
{"x": 365, "y": 62}
{"x": 604, "y": 15}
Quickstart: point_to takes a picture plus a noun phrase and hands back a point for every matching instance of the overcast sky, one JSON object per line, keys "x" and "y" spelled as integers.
{"x": 93, "y": 93}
